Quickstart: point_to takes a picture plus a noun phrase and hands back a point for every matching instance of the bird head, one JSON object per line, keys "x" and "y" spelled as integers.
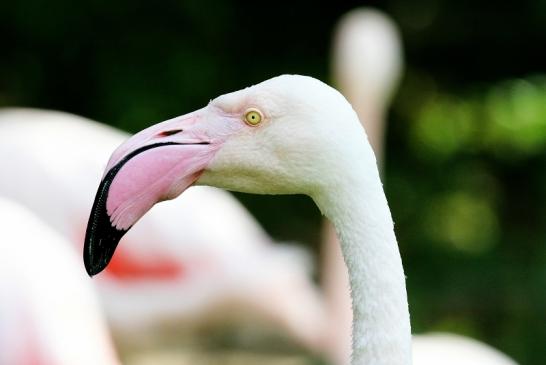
{"x": 286, "y": 135}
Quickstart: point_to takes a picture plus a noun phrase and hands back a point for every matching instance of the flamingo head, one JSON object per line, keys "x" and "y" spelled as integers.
{"x": 286, "y": 135}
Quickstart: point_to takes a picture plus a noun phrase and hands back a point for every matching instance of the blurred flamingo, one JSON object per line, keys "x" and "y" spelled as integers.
{"x": 49, "y": 314}
{"x": 216, "y": 262}
{"x": 367, "y": 67}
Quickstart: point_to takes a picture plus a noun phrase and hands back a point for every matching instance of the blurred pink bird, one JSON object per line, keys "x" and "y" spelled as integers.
{"x": 49, "y": 314}
{"x": 204, "y": 257}
{"x": 367, "y": 67}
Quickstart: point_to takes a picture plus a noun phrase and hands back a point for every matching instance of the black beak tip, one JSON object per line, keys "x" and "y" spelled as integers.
{"x": 92, "y": 265}
{"x": 92, "y": 270}
{"x": 100, "y": 244}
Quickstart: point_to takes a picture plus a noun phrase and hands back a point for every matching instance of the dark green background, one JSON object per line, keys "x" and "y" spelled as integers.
{"x": 465, "y": 169}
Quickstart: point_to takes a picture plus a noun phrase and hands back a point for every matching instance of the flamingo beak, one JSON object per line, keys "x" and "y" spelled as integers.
{"x": 156, "y": 164}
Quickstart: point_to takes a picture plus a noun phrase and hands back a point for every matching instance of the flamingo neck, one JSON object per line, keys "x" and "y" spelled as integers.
{"x": 358, "y": 208}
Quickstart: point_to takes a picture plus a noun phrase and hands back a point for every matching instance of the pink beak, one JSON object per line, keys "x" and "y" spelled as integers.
{"x": 156, "y": 164}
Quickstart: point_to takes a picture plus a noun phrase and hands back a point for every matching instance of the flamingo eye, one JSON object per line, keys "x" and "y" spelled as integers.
{"x": 253, "y": 117}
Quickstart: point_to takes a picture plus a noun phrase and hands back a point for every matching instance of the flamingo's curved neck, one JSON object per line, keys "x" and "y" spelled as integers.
{"x": 359, "y": 211}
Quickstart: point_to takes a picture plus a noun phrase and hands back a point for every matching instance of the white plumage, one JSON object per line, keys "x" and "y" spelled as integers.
{"x": 49, "y": 313}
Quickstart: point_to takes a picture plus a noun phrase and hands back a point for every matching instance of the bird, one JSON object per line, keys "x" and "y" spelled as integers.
{"x": 49, "y": 313}
{"x": 367, "y": 68}
{"x": 287, "y": 135}
{"x": 291, "y": 134}
{"x": 451, "y": 349}
{"x": 217, "y": 262}
{"x": 367, "y": 65}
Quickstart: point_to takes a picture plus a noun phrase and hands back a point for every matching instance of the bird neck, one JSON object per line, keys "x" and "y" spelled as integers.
{"x": 358, "y": 208}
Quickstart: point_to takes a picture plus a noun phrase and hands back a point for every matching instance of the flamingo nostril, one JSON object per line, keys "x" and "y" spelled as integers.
{"x": 169, "y": 133}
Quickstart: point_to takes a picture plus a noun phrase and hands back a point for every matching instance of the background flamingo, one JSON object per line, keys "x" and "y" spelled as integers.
{"x": 217, "y": 264}
{"x": 49, "y": 313}
{"x": 367, "y": 66}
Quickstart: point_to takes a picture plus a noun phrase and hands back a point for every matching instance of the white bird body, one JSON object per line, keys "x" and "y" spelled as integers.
{"x": 216, "y": 257}
{"x": 48, "y": 312}
{"x": 307, "y": 139}
{"x": 367, "y": 66}
{"x": 449, "y": 349}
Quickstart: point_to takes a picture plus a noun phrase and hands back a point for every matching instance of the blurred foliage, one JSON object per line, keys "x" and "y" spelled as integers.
{"x": 466, "y": 145}
{"x": 507, "y": 121}
{"x": 466, "y": 187}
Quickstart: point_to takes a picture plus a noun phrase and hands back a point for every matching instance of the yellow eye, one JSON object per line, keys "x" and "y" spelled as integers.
{"x": 253, "y": 117}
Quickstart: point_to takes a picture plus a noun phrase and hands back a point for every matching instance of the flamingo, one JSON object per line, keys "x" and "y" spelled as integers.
{"x": 49, "y": 314}
{"x": 367, "y": 67}
{"x": 287, "y": 135}
{"x": 216, "y": 260}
